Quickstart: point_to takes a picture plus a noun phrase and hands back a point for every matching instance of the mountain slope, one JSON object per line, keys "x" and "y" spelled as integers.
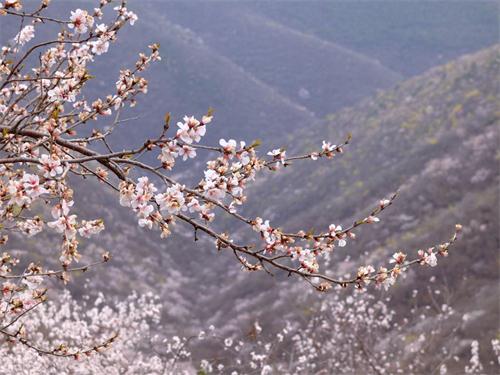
{"x": 192, "y": 77}
{"x": 407, "y": 37}
{"x": 435, "y": 138}
{"x": 319, "y": 74}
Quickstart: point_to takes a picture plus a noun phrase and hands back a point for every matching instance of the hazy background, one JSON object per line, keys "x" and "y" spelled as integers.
{"x": 416, "y": 83}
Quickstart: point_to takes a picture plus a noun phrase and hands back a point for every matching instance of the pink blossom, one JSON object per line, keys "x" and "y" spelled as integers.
{"x": 228, "y": 146}
{"x": 372, "y": 219}
{"x": 17, "y": 193}
{"x": 61, "y": 209}
{"x": 31, "y": 227}
{"x": 80, "y": 21}
{"x": 169, "y": 152}
{"x": 187, "y": 152}
{"x": 65, "y": 224}
{"x": 278, "y": 154}
{"x": 328, "y": 147}
{"x": 384, "y": 203}
{"x": 172, "y": 200}
{"x": 31, "y": 184}
{"x": 100, "y": 46}
{"x": 398, "y": 258}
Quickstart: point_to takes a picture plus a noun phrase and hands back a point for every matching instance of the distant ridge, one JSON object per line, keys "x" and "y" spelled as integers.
{"x": 315, "y": 39}
{"x": 193, "y": 76}
{"x": 318, "y": 74}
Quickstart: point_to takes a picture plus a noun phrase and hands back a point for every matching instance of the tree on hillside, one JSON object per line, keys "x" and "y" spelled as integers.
{"x": 343, "y": 335}
{"x": 49, "y": 150}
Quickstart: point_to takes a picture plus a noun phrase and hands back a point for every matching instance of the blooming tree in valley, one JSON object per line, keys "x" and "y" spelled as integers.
{"x": 357, "y": 333}
{"x": 45, "y": 139}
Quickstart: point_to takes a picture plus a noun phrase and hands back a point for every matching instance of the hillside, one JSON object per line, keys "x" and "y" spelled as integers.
{"x": 195, "y": 77}
{"x": 319, "y": 74}
{"x": 258, "y": 63}
{"x": 433, "y": 137}
{"x": 407, "y": 37}
{"x": 191, "y": 77}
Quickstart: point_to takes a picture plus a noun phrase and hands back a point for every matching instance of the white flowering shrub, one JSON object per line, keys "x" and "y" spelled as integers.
{"x": 46, "y": 138}
{"x": 342, "y": 335}
{"x": 69, "y": 326}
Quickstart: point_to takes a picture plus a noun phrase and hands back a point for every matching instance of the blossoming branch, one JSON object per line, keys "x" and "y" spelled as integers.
{"x": 44, "y": 116}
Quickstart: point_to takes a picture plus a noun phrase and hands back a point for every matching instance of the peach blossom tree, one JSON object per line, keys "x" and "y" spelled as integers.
{"x": 47, "y": 144}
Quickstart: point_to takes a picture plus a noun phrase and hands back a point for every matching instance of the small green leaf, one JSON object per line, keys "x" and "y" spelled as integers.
{"x": 167, "y": 119}
{"x": 16, "y": 210}
{"x": 55, "y": 113}
{"x": 256, "y": 143}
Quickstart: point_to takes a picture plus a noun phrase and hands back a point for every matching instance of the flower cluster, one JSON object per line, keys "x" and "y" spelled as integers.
{"x": 25, "y": 35}
{"x": 81, "y": 21}
{"x": 139, "y": 197}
